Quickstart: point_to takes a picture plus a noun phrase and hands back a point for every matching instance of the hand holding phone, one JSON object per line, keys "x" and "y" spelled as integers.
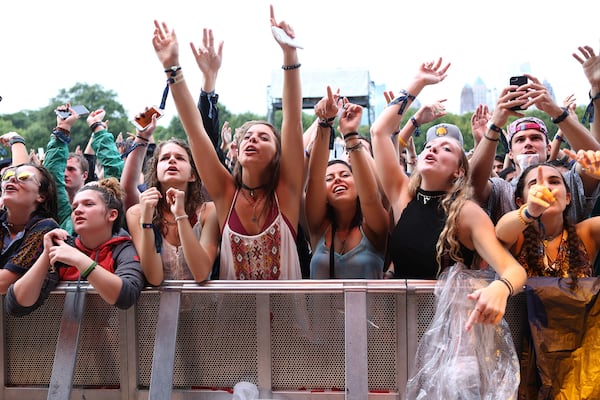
{"x": 284, "y": 38}
{"x": 518, "y": 81}
{"x": 143, "y": 119}
{"x": 70, "y": 240}
{"x": 80, "y": 110}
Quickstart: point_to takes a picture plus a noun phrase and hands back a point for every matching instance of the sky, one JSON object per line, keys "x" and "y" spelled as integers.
{"x": 47, "y": 46}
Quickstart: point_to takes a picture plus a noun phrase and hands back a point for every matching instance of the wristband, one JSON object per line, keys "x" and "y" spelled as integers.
{"x": 180, "y": 217}
{"x": 562, "y": 116}
{"x": 16, "y": 139}
{"x": 522, "y": 218}
{"x": 290, "y": 67}
{"x": 326, "y": 123}
{"x": 416, "y": 125}
{"x": 97, "y": 124}
{"x": 350, "y": 135}
{"x": 89, "y": 270}
{"x": 147, "y": 226}
{"x": 494, "y": 127}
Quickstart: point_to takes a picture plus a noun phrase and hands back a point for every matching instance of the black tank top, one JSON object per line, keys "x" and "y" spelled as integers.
{"x": 413, "y": 239}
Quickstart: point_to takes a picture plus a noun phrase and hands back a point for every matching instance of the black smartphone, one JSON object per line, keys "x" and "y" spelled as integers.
{"x": 81, "y": 110}
{"x": 143, "y": 119}
{"x": 70, "y": 240}
{"x": 518, "y": 81}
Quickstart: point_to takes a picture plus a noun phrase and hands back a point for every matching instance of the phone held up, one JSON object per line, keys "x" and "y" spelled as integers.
{"x": 143, "y": 119}
{"x": 81, "y": 110}
{"x": 70, "y": 240}
{"x": 518, "y": 81}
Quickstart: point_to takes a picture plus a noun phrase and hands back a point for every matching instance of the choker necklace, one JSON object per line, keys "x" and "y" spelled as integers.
{"x": 425, "y": 197}
{"x": 252, "y": 190}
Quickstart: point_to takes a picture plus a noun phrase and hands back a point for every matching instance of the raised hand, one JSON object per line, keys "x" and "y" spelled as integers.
{"x": 328, "y": 107}
{"x": 432, "y": 72}
{"x": 431, "y": 112}
{"x": 283, "y": 25}
{"x": 590, "y": 63}
{"x": 479, "y": 121}
{"x": 165, "y": 45}
{"x": 540, "y": 197}
{"x": 350, "y": 117}
{"x": 207, "y": 57}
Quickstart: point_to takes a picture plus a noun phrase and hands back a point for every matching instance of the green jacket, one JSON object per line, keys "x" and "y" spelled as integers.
{"x": 55, "y": 161}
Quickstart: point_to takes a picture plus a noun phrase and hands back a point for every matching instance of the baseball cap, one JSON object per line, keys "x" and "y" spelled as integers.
{"x": 441, "y": 130}
{"x": 525, "y": 123}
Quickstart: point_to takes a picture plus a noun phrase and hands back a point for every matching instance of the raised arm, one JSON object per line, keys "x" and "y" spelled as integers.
{"x": 291, "y": 183}
{"x": 483, "y": 156}
{"x": 375, "y": 217}
{"x": 209, "y": 61}
{"x": 315, "y": 204}
{"x": 390, "y": 173}
{"x": 214, "y": 175}
{"x": 134, "y": 160}
{"x": 104, "y": 145}
{"x": 591, "y": 68}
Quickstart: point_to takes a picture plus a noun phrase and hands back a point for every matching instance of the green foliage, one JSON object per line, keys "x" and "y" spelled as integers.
{"x": 35, "y": 125}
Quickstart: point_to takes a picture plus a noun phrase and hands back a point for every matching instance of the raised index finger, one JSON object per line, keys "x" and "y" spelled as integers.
{"x": 540, "y": 175}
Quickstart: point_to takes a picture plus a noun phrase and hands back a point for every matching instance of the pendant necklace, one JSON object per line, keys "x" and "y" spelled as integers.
{"x": 550, "y": 264}
{"x": 254, "y": 203}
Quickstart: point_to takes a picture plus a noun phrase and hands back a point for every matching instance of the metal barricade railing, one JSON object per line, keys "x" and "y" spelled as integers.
{"x": 337, "y": 339}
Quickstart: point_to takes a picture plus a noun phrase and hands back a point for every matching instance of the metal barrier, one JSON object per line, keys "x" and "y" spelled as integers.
{"x": 335, "y": 339}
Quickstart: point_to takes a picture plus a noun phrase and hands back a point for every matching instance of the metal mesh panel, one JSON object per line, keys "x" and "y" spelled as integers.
{"x": 146, "y": 315}
{"x": 31, "y": 343}
{"x": 515, "y": 316}
{"x": 307, "y": 341}
{"x": 216, "y": 340}
{"x": 382, "y": 341}
{"x": 98, "y": 360}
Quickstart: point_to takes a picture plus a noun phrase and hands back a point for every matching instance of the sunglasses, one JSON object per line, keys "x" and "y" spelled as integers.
{"x": 20, "y": 176}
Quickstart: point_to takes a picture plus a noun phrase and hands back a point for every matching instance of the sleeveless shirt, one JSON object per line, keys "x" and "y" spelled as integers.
{"x": 271, "y": 254}
{"x": 361, "y": 262}
{"x": 413, "y": 239}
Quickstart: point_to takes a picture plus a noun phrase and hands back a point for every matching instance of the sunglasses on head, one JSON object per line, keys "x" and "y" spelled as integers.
{"x": 21, "y": 176}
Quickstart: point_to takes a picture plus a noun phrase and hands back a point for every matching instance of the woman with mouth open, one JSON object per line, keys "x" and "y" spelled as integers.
{"x": 258, "y": 206}
{"x": 346, "y": 217}
{"x": 102, "y": 253}
{"x": 28, "y": 212}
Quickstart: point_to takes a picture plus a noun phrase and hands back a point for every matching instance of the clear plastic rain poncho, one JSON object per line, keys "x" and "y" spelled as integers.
{"x": 453, "y": 364}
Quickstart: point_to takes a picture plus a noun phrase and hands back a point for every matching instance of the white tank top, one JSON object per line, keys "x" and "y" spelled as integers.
{"x": 271, "y": 254}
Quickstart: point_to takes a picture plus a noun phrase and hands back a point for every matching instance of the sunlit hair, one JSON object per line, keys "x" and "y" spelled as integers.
{"x": 111, "y": 194}
{"x": 448, "y": 244}
{"x": 48, "y": 208}
{"x": 84, "y": 165}
{"x": 578, "y": 261}
{"x": 330, "y": 213}
{"x": 273, "y": 166}
{"x": 194, "y": 197}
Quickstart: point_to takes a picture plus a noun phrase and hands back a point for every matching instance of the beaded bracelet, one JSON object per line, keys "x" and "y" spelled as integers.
{"x": 290, "y": 67}
{"x": 180, "y": 217}
{"x": 520, "y": 214}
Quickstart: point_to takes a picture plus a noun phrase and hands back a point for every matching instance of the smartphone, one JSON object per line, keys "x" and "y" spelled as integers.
{"x": 70, "y": 240}
{"x": 518, "y": 81}
{"x": 285, "y": 38}
{"x": 144, "y": 119}
{"x": 81, "y": 110}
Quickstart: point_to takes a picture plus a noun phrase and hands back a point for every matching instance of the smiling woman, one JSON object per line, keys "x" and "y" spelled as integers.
{"x": 29, "y": 212}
